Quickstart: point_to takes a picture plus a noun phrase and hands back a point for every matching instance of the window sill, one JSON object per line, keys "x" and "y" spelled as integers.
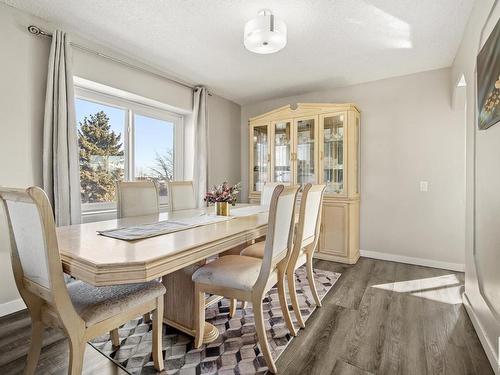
{"x": 89, "y": 216}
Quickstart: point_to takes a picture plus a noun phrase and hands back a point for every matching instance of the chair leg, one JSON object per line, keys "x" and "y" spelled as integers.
{"x": 146, "y": 318}
{"x": 37, "y": 329}
{"x": 115, "y": 337}
{"x": 284, "y": 305}
{"x": 310, "y": 279}
{"x": 76, "y": 353}
{"x": 232, "y": 307}
{"x": 261, "y": 333}
{"x": 199, "y": 316}
{"x": 293, "y": 297}
{"x": 157, "y": 335}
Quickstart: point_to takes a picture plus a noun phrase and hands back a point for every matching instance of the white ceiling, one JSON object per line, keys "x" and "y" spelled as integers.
{"x": 331, "y": 43}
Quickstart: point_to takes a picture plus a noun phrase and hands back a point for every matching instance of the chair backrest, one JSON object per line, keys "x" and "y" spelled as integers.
{"x": 35, "y": 254}
{"x": 307, "y": 231}
{"x": 34, "y": 250}
{"x": 267, "y": 193}
{"x": 280, "y": 229}
{"x": 25, "y": 226}
{"x": 137, "y": 198}
{"x": 181, "y": 195}
{"x": 310, "y": 215}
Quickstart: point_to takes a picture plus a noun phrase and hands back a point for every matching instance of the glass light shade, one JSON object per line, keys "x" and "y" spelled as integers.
{"x": 265, "y": 33}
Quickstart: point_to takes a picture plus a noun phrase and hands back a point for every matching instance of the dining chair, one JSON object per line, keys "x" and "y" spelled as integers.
{"x": 181, "y": 195}
{"x": 81, "y": 310}
{"x": 305, "y": 242}
{"x": 267, "y": 192}
{"x": 265, "y": 199}
{"x": 247, "y": 278}
{"x": 137, "y": 198}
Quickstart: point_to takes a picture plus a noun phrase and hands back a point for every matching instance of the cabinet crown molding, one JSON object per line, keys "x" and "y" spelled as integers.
{"x": 303, "y": 109}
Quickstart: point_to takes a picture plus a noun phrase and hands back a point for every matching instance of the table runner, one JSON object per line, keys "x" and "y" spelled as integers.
{"x": 143, "y": 231}
{"x": 249, "y": 210}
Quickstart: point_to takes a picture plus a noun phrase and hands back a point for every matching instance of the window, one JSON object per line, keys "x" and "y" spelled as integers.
{"x": 122, "y": 140}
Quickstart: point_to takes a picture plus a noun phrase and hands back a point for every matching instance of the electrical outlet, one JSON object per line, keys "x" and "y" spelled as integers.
{"x": 424, "y": 186}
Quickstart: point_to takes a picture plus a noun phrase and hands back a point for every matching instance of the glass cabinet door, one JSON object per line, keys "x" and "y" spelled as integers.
{"x": 260, "y": 151}
{"x": 332, "y": 154}
{"x": 282, "y": 148}
{"x": 305, "y": 151}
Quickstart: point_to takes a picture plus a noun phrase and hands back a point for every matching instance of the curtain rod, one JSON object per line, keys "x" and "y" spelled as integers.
{"x": 35, "y": 30}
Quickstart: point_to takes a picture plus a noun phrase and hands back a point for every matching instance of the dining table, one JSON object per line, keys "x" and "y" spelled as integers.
{"x": 100, "y": 260}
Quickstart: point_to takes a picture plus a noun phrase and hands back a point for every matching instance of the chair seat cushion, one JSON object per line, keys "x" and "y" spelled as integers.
{"x": 256, "y": 250}
{"x": 231, "y": 271}
{"x": 95, "y": 304}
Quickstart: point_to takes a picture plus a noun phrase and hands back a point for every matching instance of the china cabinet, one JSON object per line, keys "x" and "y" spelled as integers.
{"x": 316, "y": 143}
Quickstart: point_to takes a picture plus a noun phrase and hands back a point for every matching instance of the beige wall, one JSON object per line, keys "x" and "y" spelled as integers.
{"x": 409, "y": 133}
{"x": 482, "y": 275}
{"x": 224, "y": 151}
{"x": 23, "y": 69}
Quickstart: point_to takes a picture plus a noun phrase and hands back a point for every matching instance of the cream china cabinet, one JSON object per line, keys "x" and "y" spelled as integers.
{"x": 316, "y": 143}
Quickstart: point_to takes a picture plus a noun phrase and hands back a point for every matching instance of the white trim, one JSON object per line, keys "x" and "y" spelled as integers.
{"x": 112, "y": 92}
{"x": 12, "y": 306}
{"x": 487, "y": 345}
{"x": 133, "y": 105}
{"x": 411, "y": 260}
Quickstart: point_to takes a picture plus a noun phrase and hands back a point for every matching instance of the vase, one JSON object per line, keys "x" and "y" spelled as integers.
{"x": 222, "y": 208}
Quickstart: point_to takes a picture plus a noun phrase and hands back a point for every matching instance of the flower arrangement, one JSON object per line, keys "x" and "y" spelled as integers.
{"x": 223, "y": 193}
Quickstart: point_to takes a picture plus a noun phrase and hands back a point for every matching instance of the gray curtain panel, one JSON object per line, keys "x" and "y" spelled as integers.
{"x": 200, "y": 119}
{"x": 61, "y": 180}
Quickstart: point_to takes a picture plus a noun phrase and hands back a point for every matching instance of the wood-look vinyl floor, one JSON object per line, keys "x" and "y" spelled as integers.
{"x": 388, "y": 318}
{"x": 380, "y": 318}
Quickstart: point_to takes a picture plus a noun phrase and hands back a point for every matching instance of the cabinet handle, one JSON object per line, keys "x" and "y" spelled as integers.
{"x": 268, "y": 158}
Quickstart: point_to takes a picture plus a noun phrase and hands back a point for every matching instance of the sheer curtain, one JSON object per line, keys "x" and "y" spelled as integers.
{"x": 200, "y": 120}
{"x": 61, "y": 180}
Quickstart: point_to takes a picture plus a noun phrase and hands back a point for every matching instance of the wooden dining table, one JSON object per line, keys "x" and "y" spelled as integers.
{"x": 173, "y": 257}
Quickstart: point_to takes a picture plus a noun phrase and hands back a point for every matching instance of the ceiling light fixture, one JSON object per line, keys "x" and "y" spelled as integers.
{"x": 265, "y": 33}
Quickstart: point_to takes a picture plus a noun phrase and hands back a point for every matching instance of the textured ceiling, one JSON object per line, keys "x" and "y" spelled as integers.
{"x": 331, "y": 43}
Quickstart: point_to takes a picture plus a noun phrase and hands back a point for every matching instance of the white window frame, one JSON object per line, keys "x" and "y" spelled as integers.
{"x": 132, "y": 108}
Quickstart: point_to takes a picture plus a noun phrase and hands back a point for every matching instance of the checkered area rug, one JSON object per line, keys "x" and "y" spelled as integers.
{"x": 234, "y": 352}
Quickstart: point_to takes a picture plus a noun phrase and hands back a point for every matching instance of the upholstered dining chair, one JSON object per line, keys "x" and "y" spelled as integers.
{"x": 81, "y": 310}
{"x": 305, "y": 242}
{"x": 137, "y": 198}
{"x": 247, "y": 278}
{"x": 181, "y": 195}
{"x": 265, "y": 200}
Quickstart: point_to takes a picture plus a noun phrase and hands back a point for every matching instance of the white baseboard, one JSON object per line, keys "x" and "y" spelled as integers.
{"x": 411, "y": 260}
{"x": 487, "y": 346}
{"x": 11, "y": 307}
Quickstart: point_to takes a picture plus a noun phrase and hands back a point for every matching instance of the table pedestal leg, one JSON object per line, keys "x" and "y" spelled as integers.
{"x": 179, "y": 303}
